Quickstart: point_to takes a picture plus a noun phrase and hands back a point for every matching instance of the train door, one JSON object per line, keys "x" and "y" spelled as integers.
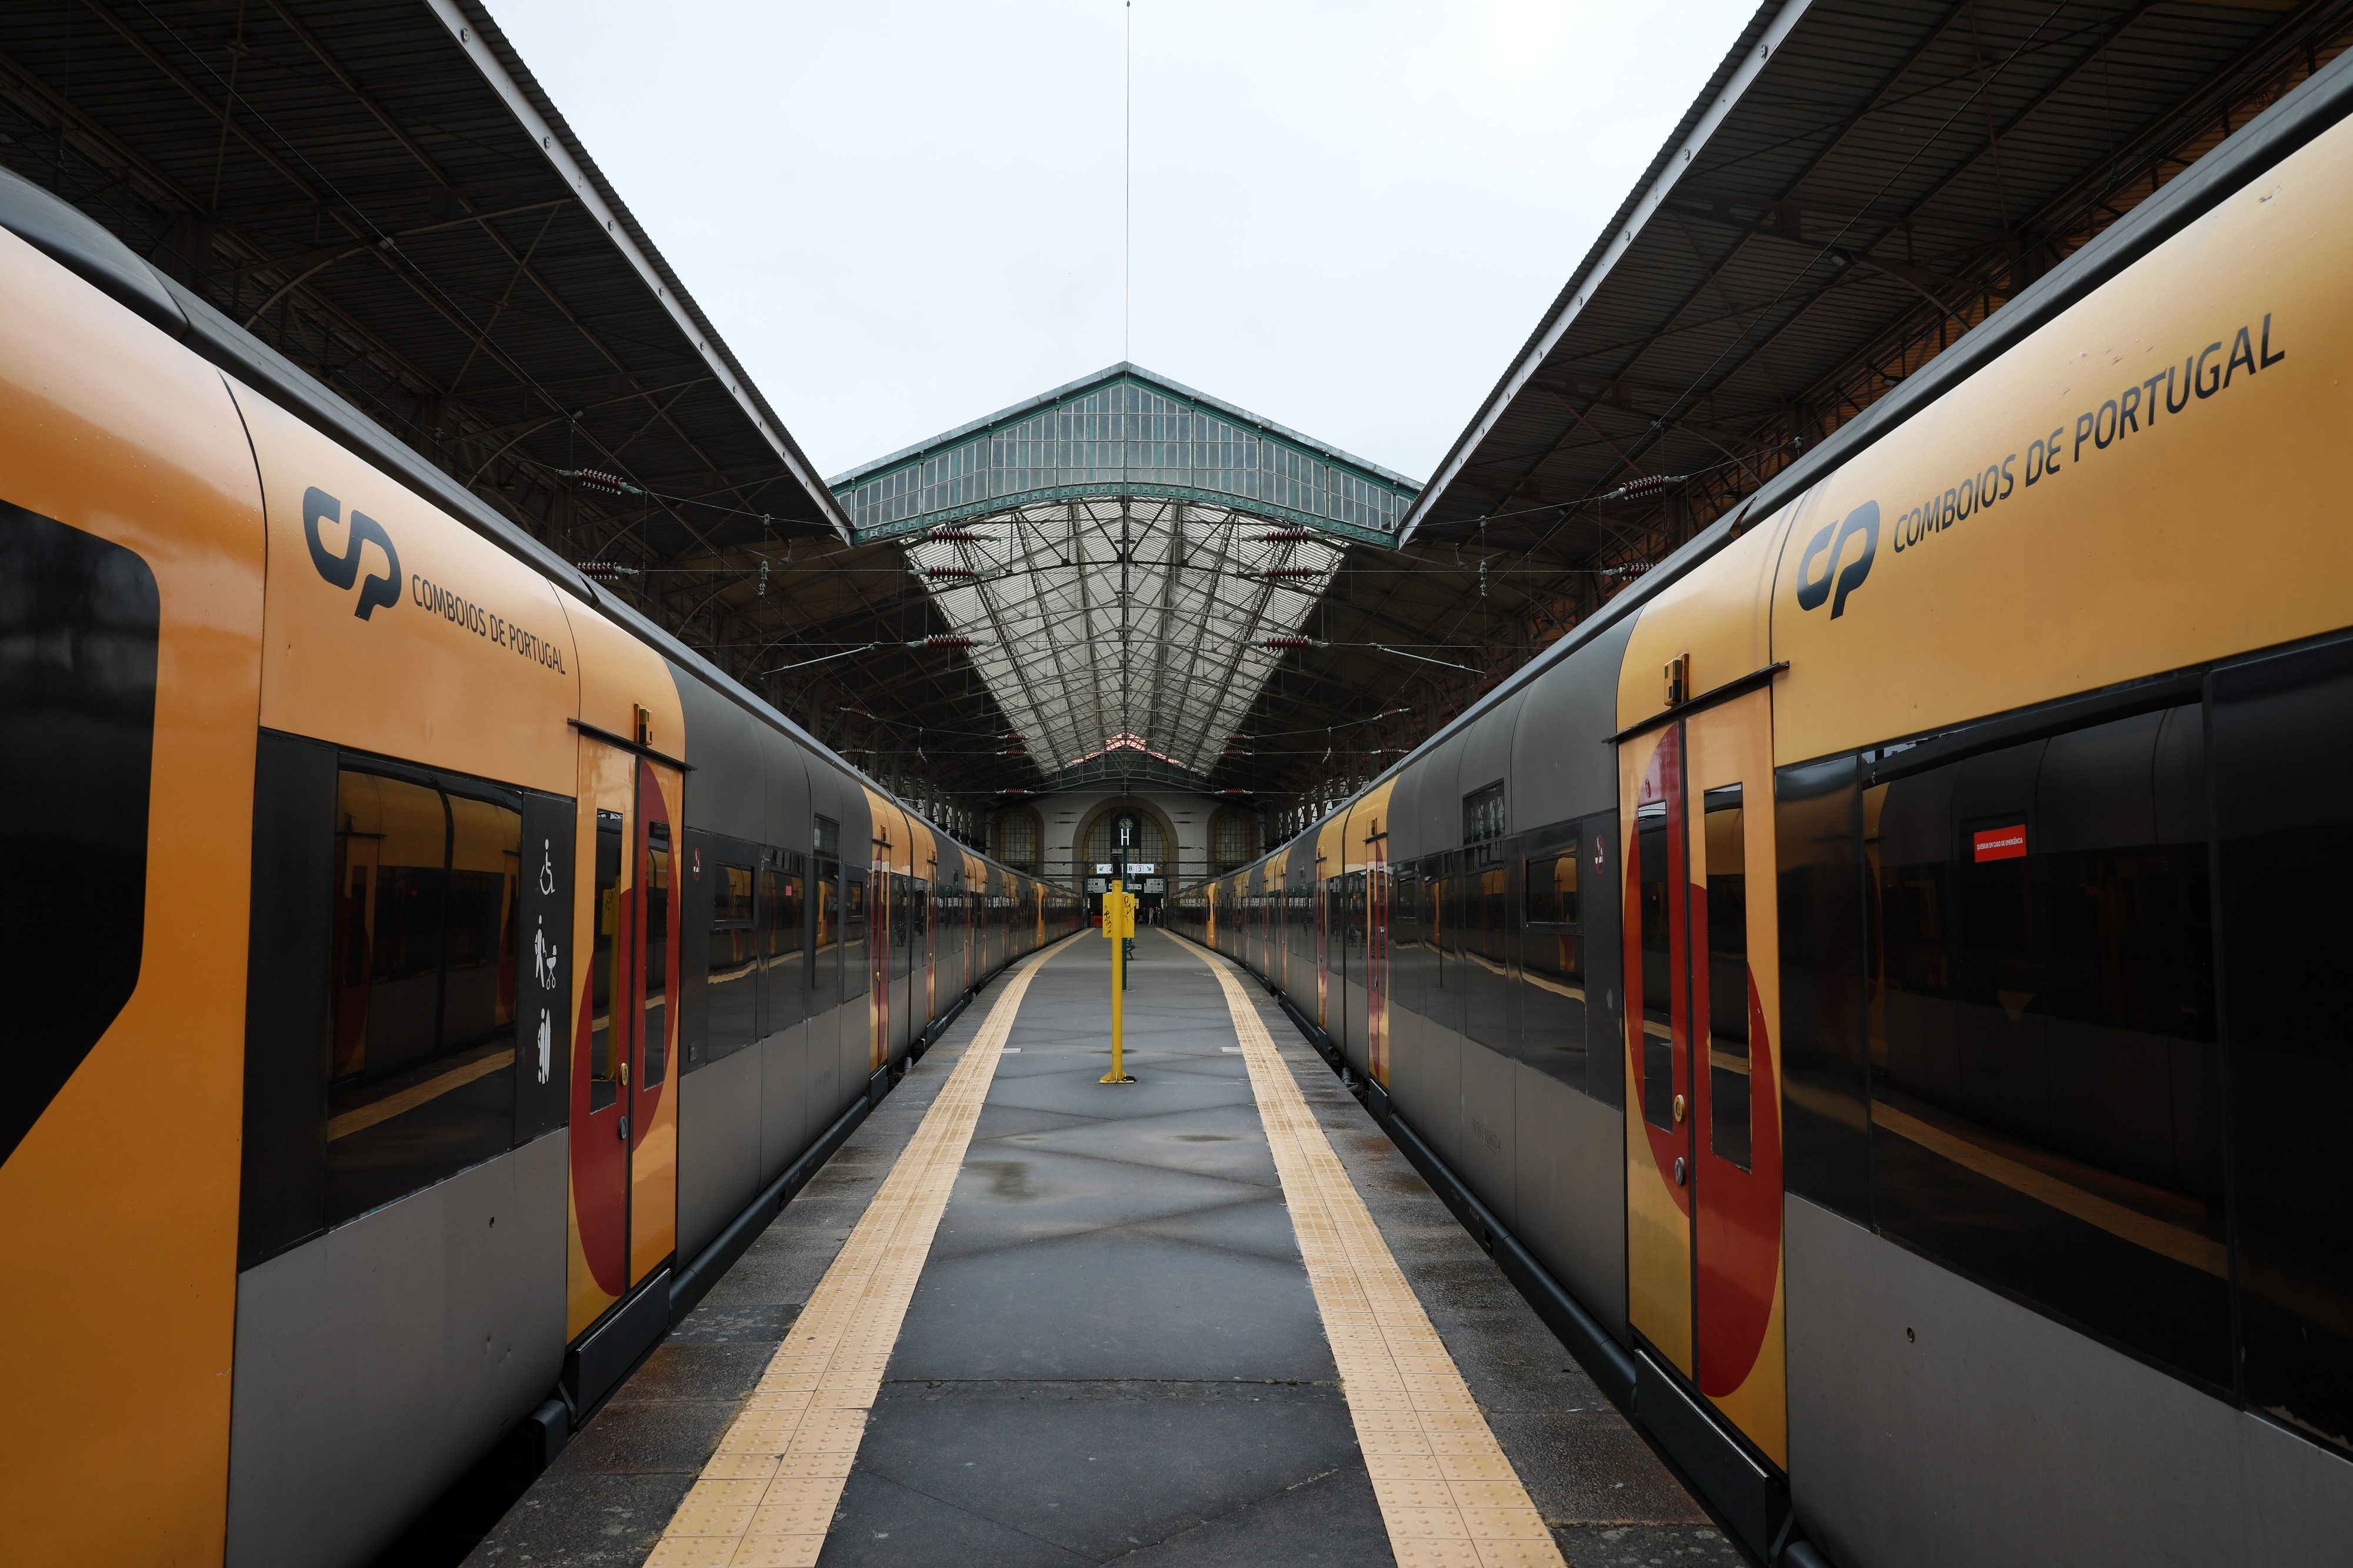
{"x": 881, "y": 895}
{"x": 968, "y": 924}
{"x": 1262, "y": 924}
{"x": 925, "y": 926}
{"x": 1348, "y": 965}
{"x": 1736, "y": 1078}
{"x": 1323, "y": 895}
{"x": 653, "y": 1111}
{"x": 623, "y": 1133}
{"x": 904, "y": 945}
{"x": 1000, "y": 928}
{"x": 1658, "y": 1134}
{"x": 1256, "y": 958}
{"x": 1377, "y": 891}
{"x": 1704, "y": 1179}
{"x": 855, "y": 1041}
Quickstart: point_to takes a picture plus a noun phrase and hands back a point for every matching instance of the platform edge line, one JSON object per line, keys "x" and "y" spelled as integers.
{"x": 1447, "y": 1491}
{"x": 768, "y": 1493}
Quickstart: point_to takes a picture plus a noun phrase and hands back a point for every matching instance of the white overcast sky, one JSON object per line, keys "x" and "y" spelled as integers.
{"x": 906, "y": 215}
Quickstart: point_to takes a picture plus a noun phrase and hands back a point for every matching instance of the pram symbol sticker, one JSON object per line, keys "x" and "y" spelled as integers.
{"x": 543, "y": 961}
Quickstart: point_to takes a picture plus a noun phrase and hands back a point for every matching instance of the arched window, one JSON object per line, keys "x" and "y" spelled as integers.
{"x": 1016, "y": 840}
{"x": 1233, "y": 841}
{"x": 1147, "y": 843}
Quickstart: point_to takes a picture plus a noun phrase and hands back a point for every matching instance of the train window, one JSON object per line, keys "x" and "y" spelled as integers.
{"x": 421, "y": 1017}
{"x": 1552, "y": 965}
{"x": 1820, "y": 894}
{"x": 1406, "y": 949}
{"x": 79, "y": 634}
{"x": 856, "y": 978}
{"x": 397, "y": 831}
{"x": 1604, "y": 962}
{"x": 477, "y": 1004}
{"x": 827, "y": 835}
{"x": 1728, "y": 1110}
{"x": 732, "y": 962}
{"x": 1488, "y": 1014}
{"x": 1444, "y": 901}
{"x": 655, "y": 945}
{"x": 784, "y": 943}
{"x": 1657, "y": 1019}
{"x": 733, "y": 897}
{"x": 2045, "y": 1076}
{"x": 604, "y": 1053}
{"x": 1550, "y": 888}
{"x": 824, "y": 958}
{"x": 2282, "y": 730}
{"x": 1483, "y": 814}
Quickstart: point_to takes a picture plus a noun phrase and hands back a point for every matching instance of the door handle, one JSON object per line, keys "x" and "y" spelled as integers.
{"x": 1679, "y": 1105}
{"x": 624, "y": 1083}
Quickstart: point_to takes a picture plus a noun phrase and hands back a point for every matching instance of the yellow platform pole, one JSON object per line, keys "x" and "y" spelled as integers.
{"x": 1119, "y": 924}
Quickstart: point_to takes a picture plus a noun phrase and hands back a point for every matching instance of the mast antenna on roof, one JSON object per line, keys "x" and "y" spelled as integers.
{"x": 1127, "y": 194}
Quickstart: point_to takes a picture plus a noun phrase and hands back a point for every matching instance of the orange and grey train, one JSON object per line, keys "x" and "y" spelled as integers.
{"x": 1875, "y": 984}
{"x": 425, "y": 973}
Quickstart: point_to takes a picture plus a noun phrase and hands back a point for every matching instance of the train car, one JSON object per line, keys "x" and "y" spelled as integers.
{"x": 431, "y": 973}
{"x": 1869, "y": 985}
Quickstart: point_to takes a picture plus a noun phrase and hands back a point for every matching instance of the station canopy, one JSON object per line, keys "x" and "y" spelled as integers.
{"x": 1123, "y": 550}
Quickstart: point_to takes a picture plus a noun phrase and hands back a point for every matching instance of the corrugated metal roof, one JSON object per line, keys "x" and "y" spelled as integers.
{"x": 1853, "y": 166}
{"x": 383, "y": 193}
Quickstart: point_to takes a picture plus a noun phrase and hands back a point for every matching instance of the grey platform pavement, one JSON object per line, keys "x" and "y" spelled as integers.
{"x": 1112, "y": 1350}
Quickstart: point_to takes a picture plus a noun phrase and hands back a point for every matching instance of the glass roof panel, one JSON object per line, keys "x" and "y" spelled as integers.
{"x": 1115, "y": 622}
{"x": 1121, "y": 549}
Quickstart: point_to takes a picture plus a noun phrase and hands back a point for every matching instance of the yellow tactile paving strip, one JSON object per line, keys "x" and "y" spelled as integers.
{"x": 1447, "y": 1493}
{"x": 768, "y": 1494}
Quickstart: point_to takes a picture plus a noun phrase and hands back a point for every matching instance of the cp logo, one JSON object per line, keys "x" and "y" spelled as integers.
{"x": 1813, "y": 590}
{"x": 341, "y": 570}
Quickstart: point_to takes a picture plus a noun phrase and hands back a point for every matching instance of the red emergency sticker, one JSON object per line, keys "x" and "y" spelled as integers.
{"x": 2001, "y": 843}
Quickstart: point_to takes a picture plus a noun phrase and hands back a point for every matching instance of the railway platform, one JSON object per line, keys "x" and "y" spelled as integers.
{"x": 1026, "y": 1318}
